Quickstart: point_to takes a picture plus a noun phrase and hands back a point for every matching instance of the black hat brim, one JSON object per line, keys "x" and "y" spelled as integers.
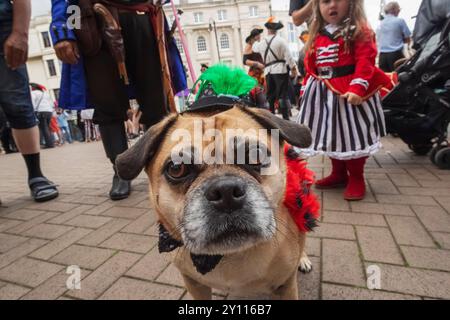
{"x": 274, "y": 25}
{"x": 212, "y": 103}
{"x": 254, "y": 33}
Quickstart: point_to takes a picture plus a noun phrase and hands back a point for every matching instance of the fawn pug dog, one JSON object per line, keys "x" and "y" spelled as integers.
{"x": 225, "y": 222}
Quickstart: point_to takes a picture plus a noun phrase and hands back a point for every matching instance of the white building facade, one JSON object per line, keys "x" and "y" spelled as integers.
{"x": 43, "y": 66}
{"x": 233, "y": 19}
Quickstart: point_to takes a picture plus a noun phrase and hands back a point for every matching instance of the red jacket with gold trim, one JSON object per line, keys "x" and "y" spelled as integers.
{"x": 328, "y": 52}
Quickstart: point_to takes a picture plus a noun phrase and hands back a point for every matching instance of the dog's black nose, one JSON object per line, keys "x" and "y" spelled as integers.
{"x": 226, "y": 193}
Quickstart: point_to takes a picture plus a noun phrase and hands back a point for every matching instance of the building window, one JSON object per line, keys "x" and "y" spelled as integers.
{"x": 179, "y": 45}
{"x": 56, "y": 94}
{"x": 51, "y": 68}
{"x": 46, "y": 39}
{"x": 198, "y": 17}
{"x": 291, "y": 32}
{"x": 222, "y": 15}
{"x": 201, "y": 44}
{"x": 253, "y": 11}
{"x": 227, "y": 62}
{"x": 224, "y": 41}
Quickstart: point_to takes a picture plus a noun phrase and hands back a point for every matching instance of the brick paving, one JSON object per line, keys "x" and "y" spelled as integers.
{"x": 403, "y": 227}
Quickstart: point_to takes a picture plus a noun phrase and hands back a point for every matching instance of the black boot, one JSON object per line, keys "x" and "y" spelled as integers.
{"x": 285, "y": 107}
{"x": 120, "y": 188}
{"x": 115, "y": 142}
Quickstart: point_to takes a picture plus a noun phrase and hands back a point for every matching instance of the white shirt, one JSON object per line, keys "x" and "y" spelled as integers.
{"x": 42, "y": 102}
{"x": 280, "y": 47}
{"x": 331, "y": 28}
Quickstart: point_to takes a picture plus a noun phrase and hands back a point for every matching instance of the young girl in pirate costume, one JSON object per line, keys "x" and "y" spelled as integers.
{"x": 340, "y": 102}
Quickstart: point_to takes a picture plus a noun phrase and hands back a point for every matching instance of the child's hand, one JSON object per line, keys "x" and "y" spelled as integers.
{"x": 353, "y": 99}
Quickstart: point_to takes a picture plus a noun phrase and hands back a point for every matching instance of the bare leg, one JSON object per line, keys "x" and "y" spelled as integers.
{"x": 27, "y": 140}
{"x": 197, "y": 290}
{"x": 87, "y": 124}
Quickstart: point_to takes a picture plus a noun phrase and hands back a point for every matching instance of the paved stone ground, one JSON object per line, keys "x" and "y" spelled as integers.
{"x": 403, "y": 227}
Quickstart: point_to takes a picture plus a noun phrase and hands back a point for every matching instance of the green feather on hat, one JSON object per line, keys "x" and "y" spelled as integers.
{"x": 224, "y": 80}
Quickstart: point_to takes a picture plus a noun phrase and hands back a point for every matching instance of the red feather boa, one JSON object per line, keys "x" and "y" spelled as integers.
{"x": 301, "y": 202}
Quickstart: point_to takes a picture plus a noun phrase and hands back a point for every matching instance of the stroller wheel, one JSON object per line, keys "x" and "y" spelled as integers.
{"x": 442, "y": 158}
{"x": 433, "y": 154}
{"x": 434, "y": 151}
{"x": 421, "y": 149}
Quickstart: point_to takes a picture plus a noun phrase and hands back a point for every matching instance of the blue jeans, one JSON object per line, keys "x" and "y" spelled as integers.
{"x": 66, "y": 134}
{"x": 6, "y": 12}
{"x": 15, "y": 98}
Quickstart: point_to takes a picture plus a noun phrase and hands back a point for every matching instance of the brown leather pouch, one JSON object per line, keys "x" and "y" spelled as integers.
{"x": 89, "y": 37}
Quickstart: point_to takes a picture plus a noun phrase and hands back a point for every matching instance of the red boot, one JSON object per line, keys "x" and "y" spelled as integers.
{"x": 337, "y": 178}
{"x": 356, "y": 188}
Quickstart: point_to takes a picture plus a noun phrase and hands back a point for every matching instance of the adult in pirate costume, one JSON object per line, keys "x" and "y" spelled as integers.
{"x": 120, "y": 42}
{"x": 277, "y": 58}
{"x": 254, "y": 61}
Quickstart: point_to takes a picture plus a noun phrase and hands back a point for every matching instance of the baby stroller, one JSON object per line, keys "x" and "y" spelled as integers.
{"x": 418, "y": 108}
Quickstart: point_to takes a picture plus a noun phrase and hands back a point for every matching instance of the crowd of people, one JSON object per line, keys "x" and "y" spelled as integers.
{"x": 269, "y": 59}
{"x": 339, "y": 99}
{"x": 337, "y": 68}
{"x": 58, "y": 127}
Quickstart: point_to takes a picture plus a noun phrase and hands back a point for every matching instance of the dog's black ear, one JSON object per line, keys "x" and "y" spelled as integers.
{"x": 130, "y": 163}
{"x": 296, "y": 134}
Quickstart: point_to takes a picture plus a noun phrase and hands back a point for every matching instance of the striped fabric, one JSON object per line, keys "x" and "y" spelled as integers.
{"x": 340, "y": 130}
{"x": 327, "y": 54}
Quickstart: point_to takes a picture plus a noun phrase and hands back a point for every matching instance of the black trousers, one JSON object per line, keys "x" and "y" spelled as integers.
{"x": 388, "y": 59}
{"x": 277, "y": 89}
{"x": 7, "y": 140}
{"x": 107, "y": 91}
{"x": 44, "y": 128}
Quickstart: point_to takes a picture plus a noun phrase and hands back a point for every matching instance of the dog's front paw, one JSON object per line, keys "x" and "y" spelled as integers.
{"x": 305, "y": 264}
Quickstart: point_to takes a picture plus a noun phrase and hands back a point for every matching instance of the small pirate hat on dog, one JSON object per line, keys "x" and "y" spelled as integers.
{"x": 221, "y": 87}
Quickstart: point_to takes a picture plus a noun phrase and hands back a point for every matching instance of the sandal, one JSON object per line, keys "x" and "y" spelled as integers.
{"x": 42, "y": 189}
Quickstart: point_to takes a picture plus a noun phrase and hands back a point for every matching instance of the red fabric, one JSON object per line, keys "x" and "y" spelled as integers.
{"x": 54, "y": 125}
{"x": 255, "y": 91}
{"x": 337, "y": 177}
{"x": 387, "y": 88}
{"x": 356, "y": 188}
{"x": 362, "y": 54}
{"x": 258, "y": 74}
{"x": 301, "y": 202}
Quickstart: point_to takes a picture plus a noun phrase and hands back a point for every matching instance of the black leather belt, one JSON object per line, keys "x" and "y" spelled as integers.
{"x": 275, "y": 62}
{"x": 335, "y": 72}
{"x": 131, "y": 11}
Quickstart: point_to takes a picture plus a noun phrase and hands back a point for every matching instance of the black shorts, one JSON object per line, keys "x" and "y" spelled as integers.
{"x": 388, "y": 59}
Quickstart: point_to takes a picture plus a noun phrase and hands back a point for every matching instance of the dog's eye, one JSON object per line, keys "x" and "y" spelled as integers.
{"x": 177, "y": 171}
{"x": 258, "y": 156}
